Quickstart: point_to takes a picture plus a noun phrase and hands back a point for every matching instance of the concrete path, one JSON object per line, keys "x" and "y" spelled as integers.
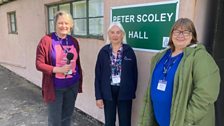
{"x": 21, "y": 103}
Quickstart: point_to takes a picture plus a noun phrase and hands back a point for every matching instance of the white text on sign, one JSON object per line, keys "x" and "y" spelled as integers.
{"x": 137, "y": 35}
{"x": 162, "y": 17}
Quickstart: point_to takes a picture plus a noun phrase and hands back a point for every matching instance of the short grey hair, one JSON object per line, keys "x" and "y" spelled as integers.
{"x": 119, "y": 25}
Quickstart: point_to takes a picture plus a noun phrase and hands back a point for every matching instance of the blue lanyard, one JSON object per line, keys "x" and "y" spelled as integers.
{"x": 167, "y": 66}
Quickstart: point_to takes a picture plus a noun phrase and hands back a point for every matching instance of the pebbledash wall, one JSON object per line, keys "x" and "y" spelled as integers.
{"x": 18, "y": 51}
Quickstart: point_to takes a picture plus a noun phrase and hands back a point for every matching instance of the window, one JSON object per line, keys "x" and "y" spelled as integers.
{"x": 12, "y": 22}
{"x": 79, "y": 14}
{"x": 87, "y": 16}
{"x": 95, "y": 13}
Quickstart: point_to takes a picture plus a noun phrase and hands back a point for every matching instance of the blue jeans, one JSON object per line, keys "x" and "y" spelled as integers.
{"x": 124, "y": 109}
{"x": 60, "y": 111}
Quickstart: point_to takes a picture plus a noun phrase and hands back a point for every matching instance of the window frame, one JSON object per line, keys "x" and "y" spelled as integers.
{"x": 10, "y": 23}
{"x": 87, "y": 18}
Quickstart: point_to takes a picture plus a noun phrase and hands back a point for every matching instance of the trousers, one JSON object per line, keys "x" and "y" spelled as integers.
{"x": 123, "y": 107}
{"x": 61, "y": 110}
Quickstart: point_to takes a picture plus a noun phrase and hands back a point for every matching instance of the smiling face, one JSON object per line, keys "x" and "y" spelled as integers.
{"x": 183, "y": 33}
{"x": 63, "y": 26}
{"x": 181, "y": 38}
{"x": 115, "y": 35}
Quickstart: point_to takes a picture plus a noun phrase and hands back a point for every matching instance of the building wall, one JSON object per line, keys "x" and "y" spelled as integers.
{"x": 18, "y": 50}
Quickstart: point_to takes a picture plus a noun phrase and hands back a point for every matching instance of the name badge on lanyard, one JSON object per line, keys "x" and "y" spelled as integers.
{"x": 116, "y": 79}
{"x": 162, "y": 85}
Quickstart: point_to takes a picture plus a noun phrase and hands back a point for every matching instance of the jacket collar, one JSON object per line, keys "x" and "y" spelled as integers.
{"x": 107, "y": 47}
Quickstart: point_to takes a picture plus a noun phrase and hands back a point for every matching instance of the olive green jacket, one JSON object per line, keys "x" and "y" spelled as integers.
{"x": 196, "y": 88}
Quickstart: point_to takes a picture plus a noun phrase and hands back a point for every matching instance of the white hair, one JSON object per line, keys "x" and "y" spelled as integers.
{"x": 119, "y": 25}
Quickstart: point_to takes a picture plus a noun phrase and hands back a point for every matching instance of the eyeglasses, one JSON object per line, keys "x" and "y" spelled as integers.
{"x": 178, "y": 32}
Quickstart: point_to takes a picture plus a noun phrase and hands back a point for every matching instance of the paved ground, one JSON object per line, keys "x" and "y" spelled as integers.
{"x": 21, "y": 103}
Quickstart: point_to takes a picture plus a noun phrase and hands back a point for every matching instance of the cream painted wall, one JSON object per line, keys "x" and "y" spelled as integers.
{"x": 196, "y": 10}
{"x": 200, "y": 17}
{"x": 18, "y": 50}
{"x": 88, "y": 54}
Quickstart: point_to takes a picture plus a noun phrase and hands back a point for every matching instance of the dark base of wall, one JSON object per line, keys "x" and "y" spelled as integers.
{"x": 91, "y": 119}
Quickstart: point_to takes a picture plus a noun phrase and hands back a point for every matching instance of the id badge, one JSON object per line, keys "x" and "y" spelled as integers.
{"x": 116, "y": 79}
{"x": 70, "y": 72}
{"x": 162, "y": 85}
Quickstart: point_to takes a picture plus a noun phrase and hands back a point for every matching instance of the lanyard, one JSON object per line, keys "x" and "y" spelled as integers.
{"x": 116, "y": 62}
{"x": 60, "y": 41}
{"x": 167, "y": 66}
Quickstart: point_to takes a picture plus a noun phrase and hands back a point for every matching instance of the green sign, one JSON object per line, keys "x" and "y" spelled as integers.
{"x": 147, "y": 26}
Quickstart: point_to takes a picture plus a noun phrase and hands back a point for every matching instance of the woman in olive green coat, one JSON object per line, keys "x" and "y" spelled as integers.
{"x": 195, "y": 82}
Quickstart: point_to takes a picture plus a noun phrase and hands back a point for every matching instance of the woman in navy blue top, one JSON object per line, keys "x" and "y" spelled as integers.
{"x": 116, "y": 77}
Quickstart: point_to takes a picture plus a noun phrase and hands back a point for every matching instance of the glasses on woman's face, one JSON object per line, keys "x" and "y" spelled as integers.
{"x": 185, "y": 33}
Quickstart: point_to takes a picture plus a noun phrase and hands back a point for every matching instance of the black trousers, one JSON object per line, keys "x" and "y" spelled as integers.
{"x": 123, "y": 106}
